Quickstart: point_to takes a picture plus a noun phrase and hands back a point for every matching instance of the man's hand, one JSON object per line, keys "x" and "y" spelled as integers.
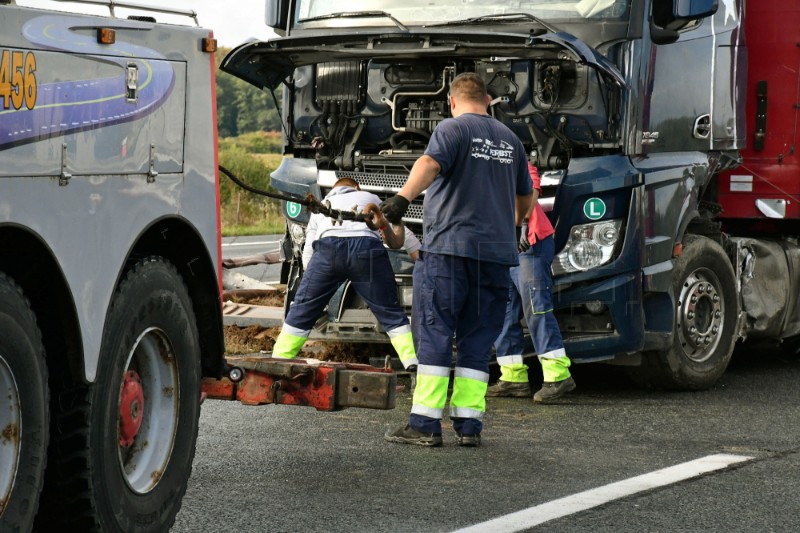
{"x": 394, "y": 208}
{"x": 524, "y": 245}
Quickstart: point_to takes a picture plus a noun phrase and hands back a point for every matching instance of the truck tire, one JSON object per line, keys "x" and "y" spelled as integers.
{"x": 706, "y": 311}
{"x": 24, "y": 414}
{"x": 125, "y": 444}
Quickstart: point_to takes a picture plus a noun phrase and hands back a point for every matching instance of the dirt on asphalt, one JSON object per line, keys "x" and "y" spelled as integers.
{"x": 258, "y": 339}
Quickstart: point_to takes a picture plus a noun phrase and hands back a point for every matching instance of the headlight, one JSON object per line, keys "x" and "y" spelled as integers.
{"x": 589, "y": 246}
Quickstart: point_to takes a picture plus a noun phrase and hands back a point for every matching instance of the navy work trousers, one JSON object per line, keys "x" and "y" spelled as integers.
{"x": 362, "y": 260}
{"x": 531, "y": 294}
{"x": 462, "y": 297}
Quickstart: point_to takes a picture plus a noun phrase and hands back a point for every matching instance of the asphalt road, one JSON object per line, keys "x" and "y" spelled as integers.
{"x": 233, "y": 247}
{"x": 291, "y": 469}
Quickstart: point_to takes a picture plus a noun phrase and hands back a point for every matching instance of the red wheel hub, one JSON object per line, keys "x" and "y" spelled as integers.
{"x": 131, "y": 408}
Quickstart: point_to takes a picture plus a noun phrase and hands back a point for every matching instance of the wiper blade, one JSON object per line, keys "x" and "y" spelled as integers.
{"x": 358, "y": 14}
{"x": 500, "y": 17}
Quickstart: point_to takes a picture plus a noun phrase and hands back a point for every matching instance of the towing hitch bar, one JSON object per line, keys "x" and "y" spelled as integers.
{"x": 324, "y": 385}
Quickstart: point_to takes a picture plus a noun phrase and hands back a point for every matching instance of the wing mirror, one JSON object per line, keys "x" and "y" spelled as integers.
{"x": 669, "y": 16}
{"x": 276, "y": 15}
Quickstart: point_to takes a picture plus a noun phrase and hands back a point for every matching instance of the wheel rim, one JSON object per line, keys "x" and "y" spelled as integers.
{"x": 147, "y": 414}
{"x": 10, "y": 430}
{"x": 701, "y": 311}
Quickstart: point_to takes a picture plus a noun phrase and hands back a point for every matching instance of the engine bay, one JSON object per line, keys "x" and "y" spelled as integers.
{"x": 378, "y": 115}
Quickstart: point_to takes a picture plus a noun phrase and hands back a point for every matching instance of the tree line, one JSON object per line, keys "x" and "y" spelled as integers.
{"x": 241, "y": 107}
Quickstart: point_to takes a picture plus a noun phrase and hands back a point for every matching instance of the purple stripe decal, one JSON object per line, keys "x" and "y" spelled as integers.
{"x": 71, "y": 106}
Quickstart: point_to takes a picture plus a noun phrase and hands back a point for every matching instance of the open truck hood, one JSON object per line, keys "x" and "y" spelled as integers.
{"x": 267, "y": 64}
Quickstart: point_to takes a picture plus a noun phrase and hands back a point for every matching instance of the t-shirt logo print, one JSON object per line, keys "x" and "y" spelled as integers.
{"x": 486, "y": 149}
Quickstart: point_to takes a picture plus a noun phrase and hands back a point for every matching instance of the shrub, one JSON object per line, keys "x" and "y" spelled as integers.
{"x": 240, "y": 208}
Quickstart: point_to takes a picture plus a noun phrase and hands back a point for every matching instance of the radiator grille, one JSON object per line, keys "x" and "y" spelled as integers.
{"x": 375, "y": 181}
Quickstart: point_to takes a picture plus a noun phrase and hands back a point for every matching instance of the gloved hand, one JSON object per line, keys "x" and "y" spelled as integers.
{"x": 394, "y": 208}
{"x": 522, "y": 237}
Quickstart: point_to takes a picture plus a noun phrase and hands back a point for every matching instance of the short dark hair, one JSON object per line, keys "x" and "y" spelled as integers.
{"x": 346, "y": 181}
{"x": 469, "y": 86}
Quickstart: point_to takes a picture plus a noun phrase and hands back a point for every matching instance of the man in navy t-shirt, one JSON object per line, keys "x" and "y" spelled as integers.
{"x": 475, "y": 171}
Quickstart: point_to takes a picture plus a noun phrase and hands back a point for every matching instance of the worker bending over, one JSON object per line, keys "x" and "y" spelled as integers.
{"x": 341, "y": 251}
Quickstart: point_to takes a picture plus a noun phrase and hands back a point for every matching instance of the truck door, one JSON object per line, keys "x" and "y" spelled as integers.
{"x": 693, "y": 96}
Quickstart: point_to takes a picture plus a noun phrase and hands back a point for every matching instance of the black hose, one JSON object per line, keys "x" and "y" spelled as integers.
{"x": 313, "y": 205}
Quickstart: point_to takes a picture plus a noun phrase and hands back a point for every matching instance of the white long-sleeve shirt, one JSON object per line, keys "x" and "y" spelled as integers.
{"x": 345, "y": 198}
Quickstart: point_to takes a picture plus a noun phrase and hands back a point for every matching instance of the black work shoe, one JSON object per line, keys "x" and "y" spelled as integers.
{"x": 510, "y": 389}
{"x": 552, "y": 390}
{"x": 408, "y": 435}
{"x": 468, "y": 439}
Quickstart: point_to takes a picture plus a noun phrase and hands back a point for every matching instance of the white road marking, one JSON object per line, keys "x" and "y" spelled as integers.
{"x": 260, "y": 243}
{"x": 539, "y": 514}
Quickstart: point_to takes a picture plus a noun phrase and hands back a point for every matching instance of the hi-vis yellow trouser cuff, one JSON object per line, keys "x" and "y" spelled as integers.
{"x": 555, "y": 368}
{"x": 469, "y": 393}
{"x": 289, "y": 342}
{"x": 403, "y": 345}
{"x": 430, "y": 394}
{"x": 512, "y": 369}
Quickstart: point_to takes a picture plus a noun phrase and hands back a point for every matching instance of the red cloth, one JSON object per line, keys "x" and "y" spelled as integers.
{"x": 539, "y": 225}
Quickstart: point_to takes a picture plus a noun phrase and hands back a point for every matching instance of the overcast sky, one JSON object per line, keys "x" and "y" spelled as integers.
{"x": 233, "y": 21}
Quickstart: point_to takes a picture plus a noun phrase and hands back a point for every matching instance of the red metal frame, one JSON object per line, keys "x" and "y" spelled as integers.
{"x": 322, "y": 385}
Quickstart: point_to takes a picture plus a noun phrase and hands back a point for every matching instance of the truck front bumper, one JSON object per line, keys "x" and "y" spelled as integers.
{"x": 603, "y": 319}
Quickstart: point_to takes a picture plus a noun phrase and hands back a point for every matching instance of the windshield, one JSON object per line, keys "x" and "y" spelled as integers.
{"x": 422, "y": 12}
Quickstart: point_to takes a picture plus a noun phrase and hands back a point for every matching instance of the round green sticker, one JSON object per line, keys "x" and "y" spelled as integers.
{"x": 594, "y": 208}
{"x": 293, "y": 209}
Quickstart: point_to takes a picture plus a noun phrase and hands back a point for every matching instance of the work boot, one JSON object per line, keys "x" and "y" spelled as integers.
{"x": 510, "y": 389}
{"x": 552, "y": 390}
{"x": 468, "y": 439}
{"x": 408, "y": 435}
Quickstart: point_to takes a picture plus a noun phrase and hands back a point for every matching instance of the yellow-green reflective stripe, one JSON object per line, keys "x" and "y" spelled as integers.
{"x": 404, "y": 345}
{"x": 555, "y": 369}
{"x": 287, "y": 346}
{"x": 468, "y": 393}
{"x": 514, "y": 373}
{"x": 533, "y": 309}
{"x": 431, "y": 391}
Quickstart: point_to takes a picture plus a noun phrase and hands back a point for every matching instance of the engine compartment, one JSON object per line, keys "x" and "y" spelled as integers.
{"x": 377, "y": 115}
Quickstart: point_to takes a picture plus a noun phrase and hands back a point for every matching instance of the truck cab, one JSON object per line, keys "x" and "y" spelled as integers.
{"x": 630, "y": 109}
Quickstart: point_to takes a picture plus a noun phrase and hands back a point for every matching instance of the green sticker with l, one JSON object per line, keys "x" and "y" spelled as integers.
{"x": 594, "y": 208}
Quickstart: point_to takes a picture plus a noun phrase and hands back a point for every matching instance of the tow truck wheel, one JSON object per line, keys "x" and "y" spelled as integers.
{"x": 126, "y": 443}
{"x": 24, "y": 413}
{"x": 706, "y": 310}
